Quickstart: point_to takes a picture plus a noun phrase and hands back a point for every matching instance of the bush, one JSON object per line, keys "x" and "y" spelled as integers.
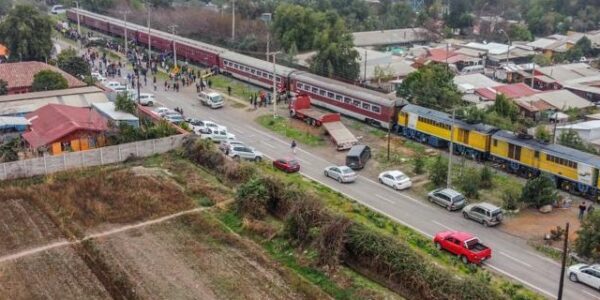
{"x": 331, "y": 241}
{"x": 511, "y": 197}
{"x": 302, "y": 219}
{"x": 419, "y": 164}
{"x": 438, "y": 172}
{"x": 203, "y": 152}
{"x": 486, "y": 176}
{"x": 251, "y": 199}
{"x": 469, "y": 183}
{"x": 539, "y": 191}
{"x": 588, "y": 236}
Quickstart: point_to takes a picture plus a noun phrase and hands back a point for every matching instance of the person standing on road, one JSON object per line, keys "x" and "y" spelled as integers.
{"x": 294, "y": 146}
{"x": 229, "y": 90}
{"x": 582, "y": 208}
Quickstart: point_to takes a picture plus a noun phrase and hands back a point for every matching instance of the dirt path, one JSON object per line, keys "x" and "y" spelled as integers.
{"x": 63, "y": 243}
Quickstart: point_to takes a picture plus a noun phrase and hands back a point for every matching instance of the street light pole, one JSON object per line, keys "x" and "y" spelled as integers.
{"x": 449, "y": 179}
{"x": 78, "y": 25}
{"x": 233, "y": 20}
{"x": 148, "y": 6}
{"x": 563, "y": 263}
{"x": 274, "y": 86}
{"x": 126, "y": 39}
{"x": 172, "y": 27}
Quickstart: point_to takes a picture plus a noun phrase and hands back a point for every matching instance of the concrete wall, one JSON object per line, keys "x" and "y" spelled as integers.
{"x": 95, "y": 157}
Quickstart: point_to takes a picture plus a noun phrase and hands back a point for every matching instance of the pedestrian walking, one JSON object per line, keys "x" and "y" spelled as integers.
{"x": 155, "y": 87}
{"x": 209, "y": 84}
{"x": 154, "y": 79}
{"x": 229, "y": 90}
{"x": 201, "y": 85}
{"x": 582, "y": 208}
{"x": 294, "y": 146}
{"x": 145, "y": 81}
{"x": 197, "y": 87}
{"x": 166, "y": 83}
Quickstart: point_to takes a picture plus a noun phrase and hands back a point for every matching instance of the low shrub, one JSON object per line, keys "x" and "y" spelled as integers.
{"x": 251, "y": 199}
{"x": 304, "y": 216}
{"x": 331, "y": 240}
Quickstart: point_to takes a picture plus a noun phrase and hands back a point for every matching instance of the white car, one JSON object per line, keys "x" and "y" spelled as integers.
{"x": 588, "y": 274}
{"x": 216, "y": 135}
{"x": 98, "y": 77}
{"x": 112, "y": 84}
{"x": 342, "y": 174}
{"x": 395, "y": 179}
{"x": 146, "y": 99}
{"x": 58, "y": 9}
{"x": 161, "y": 111}
{"x": 199, "y": 124}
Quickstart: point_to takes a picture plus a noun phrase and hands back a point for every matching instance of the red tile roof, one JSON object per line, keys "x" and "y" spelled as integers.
{"x": 515, "y": 90}
{"x": 440, "y": 54}
{"x": 55, "y": 121}
{"x": 20, "y": 74}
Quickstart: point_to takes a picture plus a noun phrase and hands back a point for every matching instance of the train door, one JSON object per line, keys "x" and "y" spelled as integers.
{"x": 514, "y": 152}
{"x": 412, "y": 120}
{"x": 463, "y": 136}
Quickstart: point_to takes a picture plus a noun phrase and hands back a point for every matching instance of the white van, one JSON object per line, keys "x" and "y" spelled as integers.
{"x": 472, "y": 69}
{"x": 146, "y": 99}
{"x": 211, "y": 99}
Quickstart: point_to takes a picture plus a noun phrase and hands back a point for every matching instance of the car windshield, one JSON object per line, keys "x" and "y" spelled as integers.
{"x": 400, "y": 177}
{"x": 217, "y": 99}
{"x": 293, "y": 162}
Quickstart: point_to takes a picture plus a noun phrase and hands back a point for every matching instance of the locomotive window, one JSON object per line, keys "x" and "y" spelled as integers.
{"x": 366, "y": 106}
{"x": 356, "y": 103}
{"x": 375, "y": 108}
{"x": 347, "y": 100}
{"x": 322, "y": 92}
{"x": 495, "y": 142}
{"x": 339, "y": 98}
{"x": 315, "y": 90}
{"x": 536, "y": 154}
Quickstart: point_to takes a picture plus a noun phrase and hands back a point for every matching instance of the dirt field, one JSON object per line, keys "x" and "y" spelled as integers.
{"x": 54, "y": 274}
{"x": 184, "y": 259}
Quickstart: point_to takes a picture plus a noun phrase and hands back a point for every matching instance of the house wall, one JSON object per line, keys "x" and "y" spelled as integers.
{"x": 77, "y": 141}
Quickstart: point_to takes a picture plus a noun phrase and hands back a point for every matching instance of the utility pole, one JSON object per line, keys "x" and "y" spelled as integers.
{"x": 365, "y": 72}
{"x": 532, "y": 73}
{"x": 126, "y": 38}
{"x": 449, "y": 180}
{"x": 389, "y": 137}
{"x": 173, "y": 27}
{"x": 274, "y": 86}
{"x": 78, "y": 26}
{"x": 148, "y": 6}
{"x": 232, "y": 20}
{"x": 563, "y": 263}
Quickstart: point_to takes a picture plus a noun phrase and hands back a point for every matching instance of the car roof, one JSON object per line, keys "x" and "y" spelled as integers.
{"x": 344, "y": 167}
{"x": 211, "y": 93}
{"x": 395, "y": 173}
{"x": 461, "y": 235}
{"x": 450, "y": 192}
{"x": 487, "y": 206}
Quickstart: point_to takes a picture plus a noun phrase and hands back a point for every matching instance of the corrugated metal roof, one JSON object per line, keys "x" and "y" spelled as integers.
{"x": 25, "y": 103}
{"x": 390, "y": 37}
{"x": 108, "y": 108}
{"x": 13, "y": 121}
{"x": 552, "y": 149}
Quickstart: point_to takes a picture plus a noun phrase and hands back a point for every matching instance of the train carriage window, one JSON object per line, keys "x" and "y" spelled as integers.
{"x": 253, "y": 71}
{"x": 236, "y": 66}
{"x": 265, "y": 75}
{"x": 375, "y": 108}
{"x": 278, "y": 79}
{"x": 314, "y": 90}
{"x": 356, "y": 103}
{"x": 247, "y": 69}
{"x": 347, "y": 100}
{"x": 270, "y": 76}
{"x": 366, "y": 106}
{"x": 339, "y": 98}
{"x": 299, "y": 86}
{"x": 330, "y": 95}
{"x": 322, "y": 92}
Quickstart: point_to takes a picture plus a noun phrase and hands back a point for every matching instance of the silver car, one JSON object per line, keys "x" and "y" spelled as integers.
{"x": 340, "y": 173}
{"x": 484, "y": 213}
{"x": 244, "y": 152}
{"x": 225, "y": 146}
{"x": 448, "y": 198}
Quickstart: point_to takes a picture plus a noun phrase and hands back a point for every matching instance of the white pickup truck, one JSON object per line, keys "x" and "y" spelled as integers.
{"x": 216, "y": 135}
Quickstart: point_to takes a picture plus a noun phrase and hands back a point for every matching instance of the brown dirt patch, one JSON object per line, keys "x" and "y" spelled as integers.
{"x": 22, "y": 226}
{"x": 54, "y": 274}
{"x": 532, "y": 225}
{"x": 180, "y": 260}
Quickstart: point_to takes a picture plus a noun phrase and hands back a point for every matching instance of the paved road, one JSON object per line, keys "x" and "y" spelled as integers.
{"x": 512, "y": 256}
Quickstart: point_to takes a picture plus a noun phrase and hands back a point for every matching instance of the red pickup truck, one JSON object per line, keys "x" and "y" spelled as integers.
{"x": 465, "y": 245}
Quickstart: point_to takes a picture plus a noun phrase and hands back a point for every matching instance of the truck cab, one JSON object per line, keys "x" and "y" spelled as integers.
{"x": 463, "y": 244}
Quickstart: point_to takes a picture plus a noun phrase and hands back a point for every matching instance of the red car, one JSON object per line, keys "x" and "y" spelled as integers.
{"x": 288, "y": 165}
{"x": 465, "y": 245}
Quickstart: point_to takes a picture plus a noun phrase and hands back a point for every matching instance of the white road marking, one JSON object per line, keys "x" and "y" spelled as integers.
{"x": 384, "y": 199}
{"x": 544, "y": 258}
{"x": 438, "y": 223}
{"x": 515, "y": 259}
{"x": 591, "y": 294}
{"x": 551, "y": 295}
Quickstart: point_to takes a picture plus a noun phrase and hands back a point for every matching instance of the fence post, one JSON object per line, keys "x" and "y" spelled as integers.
{"x": 64, "y": 161}
{"x": 101, "y": 158}
{"x": 119, "y": 148}
{"x": 45, "y": 165}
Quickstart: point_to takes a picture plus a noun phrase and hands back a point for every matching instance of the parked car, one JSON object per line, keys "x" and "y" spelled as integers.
{"x": 587, "y": 274}
{"x": 98, "y": 77}
{"x": 484, "y": 213}
{"x": 245, "y": 152}
{"x": 146, "y": 99}
{"x": 216, "y": 135}
{"x": 58, "y": 9}
{"x": 448, "y": 198}
{"x": 358, "y": 156}
{"x": 204, "y": 124}
{"x": 288, "y": 165}
{"x": 112, "y": 84}
{"x": 174, "y": 117}
{"x": 161, "y": 111}
{"x": 342, "y": 174}
{"x": 465, "y": 245}
{"x": 395, "y": 179}
{"x": 211, "y": 99}
{"x": 225, "y": 146}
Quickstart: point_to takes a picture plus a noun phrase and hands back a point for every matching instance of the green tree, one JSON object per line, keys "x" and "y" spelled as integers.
{"x": 571, "y": 139}
{"x": 70, "y": 62}
{"x": 542, "y": 60}
{"x": 27, "y": 34}
{"x": 486, "y": 178}
{"x": 9, "y": 150}
{"x": 251, "y": 199}
{"x": 469, "y": 182}
{"x": 400, "y": 15}
{"x": 505, "y": 107}
{"x": 296, "y": 25}
{"x": 122, "y": 103}
{"x": 97, "y": 5}
{"x": 3, "y": 87}
{"x": 588, "y": 237}
{"x": 542, "y": 134}
{"x": 336, "y": 56}
{"x": 438, "y": 171}
{"x": 47, "y": 80}
{"x": 518, "y": 32}
{"x": 419, "y": 164}
{"x": 511, "y": 196}
{"x": 539, "y": 191}
{"x": 431, "y": 86}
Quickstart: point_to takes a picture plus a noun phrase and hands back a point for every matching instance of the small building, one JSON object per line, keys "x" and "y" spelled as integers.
{"x": 393, "y": 37}
{"x": 468, "y": 84}
{"x": 19, "y": 75}
{"x": 107, "y": 109}
{"x": 515, "y": 90}
{"x": 544, "y": 104}
{"x": 497, "y": 53}
{"x": 22, "y": 104}
{"x": 60, "y": 128}
{"x": 588, "y": 131}
{"x": 12, "y": 127}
